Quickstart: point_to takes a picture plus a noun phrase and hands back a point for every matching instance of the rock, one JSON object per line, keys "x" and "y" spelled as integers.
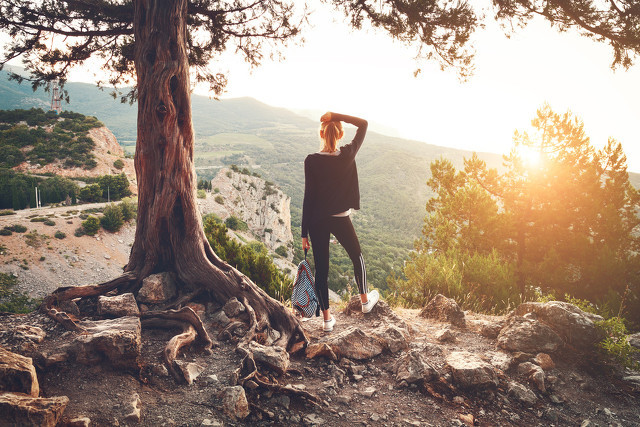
{"x": 534, "y": 373}
{"x": 313, "y": 420}
{"x": 469, "y": 370}
{"x": 633, "y": 379}
{"x": 208, "y": 422}
{"x": 353, "y": 343}
{"x": 116, "y": 340}
{"x": 445, "y": 335}
{"x": 118, "y": 306}
{"x": 521, "y": 393}
{"x": 29, "y": 333}
{"x": 544, "y": 361}
{"x": 445, "y": 310}
{"x": 412, "y": 368}
{"x": 395, "y": 338}
{"x": 320, "y": 350}
{"x": 467, "y": 419}
{"x": 234, "y": 402}
{"x": 586, "y": 423}
{"x": 274, "y": 357}
{"x": 51, "y": 359}
{"x": 133, "y": 409}
{"x": 528, "y": 335}
{"x": 368, "y": 392}
{"x": 23, "y": 410}
{"x": 499, "y": 360}
{"x": 17, "y": 374}
{"x": 157, "y": 288}
{"x": 77, "y": 422}
{"x": 220, "y": 318}
{"x": 69, "y": 307}
{"x": 233, "y": 307}
{"x": 486, "y": 328}
{"x": 189, "y": 370}
{"x": 634, "y": 340}
{"x": 576, "y": 327}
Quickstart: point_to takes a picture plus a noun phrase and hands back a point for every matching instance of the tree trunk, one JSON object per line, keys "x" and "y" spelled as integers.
{"x": 169, "y": 233}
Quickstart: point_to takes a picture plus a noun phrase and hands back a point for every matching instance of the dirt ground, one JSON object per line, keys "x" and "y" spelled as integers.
{"x": 368, "y": 394}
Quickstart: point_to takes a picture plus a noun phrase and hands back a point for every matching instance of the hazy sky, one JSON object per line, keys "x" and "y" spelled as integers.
{"x": 366, "y": 74}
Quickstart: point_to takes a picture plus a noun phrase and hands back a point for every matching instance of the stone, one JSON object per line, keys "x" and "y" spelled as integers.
{"x": 233, "y": 307}
{"x": 213, "y": 423}
{"x": 273, "y": 357}
{"x": 394, "y": 337}
{"x": 320, "y": 350}
{"x": 528, "y": 335}
{"x": 499, "y": 359}
{"x": 313, "y": 420}
{"x": 413, "y": 368}
{"x": 220, "y": 318}
{"x": 544, "y": 361}
{"x": 69, "y": 307}
{"x": 468, "y": 370}
{"x": 445, "y": 335}
{"x": 51, "y": 359}
{"x": 157, "y": 288}
{"x": 17, "y": 374}
{"x": 368, "y": 392}
{"x": 189, "y": 370}
{"x": 445, "y": 310}
{"x": 29, "y": 333}
{"x": 77, "y": 422}
{"x": 22, "y": 410}
{"x": 116, "y": 340}
{"x": 133, "y": 410}
{"x": 521, "y": 393}
{"x": 118, "y": 306}
{"x": 634, "y": 340}
{"x": 467, "y": 419}
{"x": 633, "y": 379}
{"x": 486, "y": 328}
{"x": 234, "y": 402}
{"x": 353, "y": 343}
{"x": 574, "y": 326}
{"x": 534, "y": 373}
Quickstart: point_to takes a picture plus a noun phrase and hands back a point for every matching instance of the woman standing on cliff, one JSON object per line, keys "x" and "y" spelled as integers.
{"x": 330, "y": 192}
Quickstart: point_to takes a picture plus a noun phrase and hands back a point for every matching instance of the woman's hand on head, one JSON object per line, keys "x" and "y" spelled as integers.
{"x": 305, "y": 243}
{"x": 326, "y": 117}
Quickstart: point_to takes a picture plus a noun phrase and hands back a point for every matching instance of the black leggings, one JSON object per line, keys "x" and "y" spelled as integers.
{"x": 342, "y": 229}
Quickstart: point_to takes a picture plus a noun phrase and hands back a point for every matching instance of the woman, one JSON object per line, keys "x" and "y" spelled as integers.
{"x": 330, "y": 192}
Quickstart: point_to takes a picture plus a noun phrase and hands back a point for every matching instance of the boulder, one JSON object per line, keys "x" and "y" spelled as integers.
{"x": 17, "y": 374}
{"x": 29, "y": 333}
{"x": 529, "y": 336}
{"x": 190, "y": 371}
{"x": 273, "y": 357}
{"x": 353, "y": 343}
{"x": 445, "y": 310}
{"x": 634, "y": 340}
{"x": 118, "y": 306}
{"x": 533, "y": 373}
{"x": 394, "y": 337}
{"x": 413, "y": 368}
{"x": 116, "y": 340}
{"x": 468, "y": 370}
{"x": 521, "y": 393}
{"x": 133, "y": 409}
{"x": 233, "y": 307}
{"x": 445, "y": 335}
{"x": 486, "y": 328}
{"x": 234, "y": 402}
{"x": 544, "y": 361}
{"x": 157, "y": 288}
{"x": 22, "y": 410}
{"x": 320, "y": 350}
{"x": 574, "y": 326}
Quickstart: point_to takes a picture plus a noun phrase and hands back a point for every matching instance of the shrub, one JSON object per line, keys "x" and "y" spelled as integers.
{"x": 18, "y": 228}
{"x": 129, "y": 208}
{"x": 5, "y": 232}
{"x": 49, "y": 222}
{"x": 202, "y": 194}
{"x": 12, "y": 301}
{"x": 60, "y": 235}
{"x": 5, "y": 212}
{"x": 91, "y": 225}
{"x": 118, "y": 164}
{"x": 219, "y": 199}
{"x": 615, "y": 345}
{"x": 282, "y": 251}
{"x": 112, "y": 218}
{"x": 38, "y": 219}
{"x": 34, "y": 239}
{"x": 235, "y": 223}
{"x": 79, "y": 232}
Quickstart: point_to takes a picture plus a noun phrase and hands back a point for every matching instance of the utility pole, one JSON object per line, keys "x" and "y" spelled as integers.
{"x": 55, "y": 98}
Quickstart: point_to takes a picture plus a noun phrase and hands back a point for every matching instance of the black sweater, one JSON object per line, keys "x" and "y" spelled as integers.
{"x": 331, "y": 182}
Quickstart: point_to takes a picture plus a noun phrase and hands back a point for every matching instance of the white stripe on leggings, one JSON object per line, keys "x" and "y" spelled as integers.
{"x": 364, "y": 276}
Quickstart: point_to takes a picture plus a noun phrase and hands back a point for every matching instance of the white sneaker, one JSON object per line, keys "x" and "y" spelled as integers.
{"x": 372, "y": 300}
{"x": 329, "y": 324}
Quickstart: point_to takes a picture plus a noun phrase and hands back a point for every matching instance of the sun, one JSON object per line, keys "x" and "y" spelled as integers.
{"x": 530, "y": 156}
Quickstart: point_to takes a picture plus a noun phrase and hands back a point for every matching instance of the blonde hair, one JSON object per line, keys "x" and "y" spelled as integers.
{"x": 330, "y": 134}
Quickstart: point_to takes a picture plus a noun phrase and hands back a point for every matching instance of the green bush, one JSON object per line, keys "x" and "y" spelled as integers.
{"x": 91, "y": 193}
{"x": 282, "y": 251}
{"x": 49, "y": 222}
{"x": 79, "y": 232}
{"x": 12, "y": 301}
{"x": 5, "y": 212}
{"x": 60, "y": 235}
{"x": 219, "y": 199}
{"x": 5, "y": 232}
{"x": 38, "y": 219}
{"x": 112, "y": 219}
{"x": 18, "y": 228}
{"x": 236, "y": 224}
{"x": 118, "y": 164}
{"x": 34, "y": 239}
{"x": 129, "y": 208}
{"x": 91, "y": 225}
{"x": 615, "y": 346}
{"x": 202, "y": 194}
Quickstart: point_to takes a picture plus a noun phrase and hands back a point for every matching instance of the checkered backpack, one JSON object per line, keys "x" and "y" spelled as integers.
{"x": 303, "y": 297}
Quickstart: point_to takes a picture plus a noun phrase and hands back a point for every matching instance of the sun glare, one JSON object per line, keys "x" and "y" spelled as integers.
{"x": 529, "y": 155}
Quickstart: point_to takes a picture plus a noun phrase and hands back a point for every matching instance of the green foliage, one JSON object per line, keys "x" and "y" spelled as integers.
{"x": 282, "y": 251}
{"x": 91, "y": 225}
{"x": 79, "y": 232}
{"x": 12, "y": 301}
{"x": 5, "y": 232}
{"x": 129, "y": 208}
{"x": 18, "y": 228}
{"x": 49, "y": 222}
{"x": 5, "y": 212}
{"x": 34, "y": 239}
{"x": 114, "y": 187}
{"x": 91, "y": 193}
{"x": 112, "y": 219}
{"x": 235, "y": 223}
{"x": 60, "y": 235}
{"x": 252, "y": 260}
{"x": 202, "y": 194}
{"x": 615, "y": 346}
{"x": 17, "y": 190}
{"x": 38, "y": 219}
{"x": 219, "y": 199}
{"x": 118, "y": 164}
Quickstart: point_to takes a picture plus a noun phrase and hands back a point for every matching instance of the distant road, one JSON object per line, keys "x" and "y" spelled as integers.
{"x": 45, "y": 210}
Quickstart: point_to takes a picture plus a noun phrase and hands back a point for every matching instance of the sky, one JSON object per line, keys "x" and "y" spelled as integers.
{"x": 366, "y": 74}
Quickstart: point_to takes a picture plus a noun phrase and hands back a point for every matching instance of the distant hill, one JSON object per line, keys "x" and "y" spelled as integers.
{"x": 274, "y": 141}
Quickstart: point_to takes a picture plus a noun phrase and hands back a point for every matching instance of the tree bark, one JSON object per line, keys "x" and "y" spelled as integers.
{"x": 169, "y": 233}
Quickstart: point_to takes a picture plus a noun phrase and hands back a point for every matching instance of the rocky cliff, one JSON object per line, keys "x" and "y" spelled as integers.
{"x": 265, "y": 208}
